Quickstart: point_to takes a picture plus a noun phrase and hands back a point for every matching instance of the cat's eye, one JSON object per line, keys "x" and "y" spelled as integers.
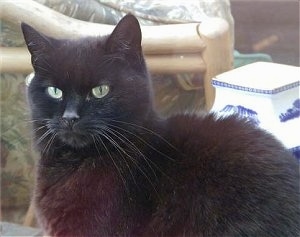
{"x": 54, "y": 92}
{"x": 100, "y": 91}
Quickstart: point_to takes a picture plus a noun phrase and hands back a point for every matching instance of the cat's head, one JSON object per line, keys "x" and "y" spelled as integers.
{"x": 81, "y": 88}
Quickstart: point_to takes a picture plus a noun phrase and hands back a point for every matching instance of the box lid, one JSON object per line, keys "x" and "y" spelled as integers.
{"x": 260, "y": 77}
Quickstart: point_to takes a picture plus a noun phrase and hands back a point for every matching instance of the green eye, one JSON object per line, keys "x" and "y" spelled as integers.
{"x": 54, "y": 92}
{"x": 100, "y": 91}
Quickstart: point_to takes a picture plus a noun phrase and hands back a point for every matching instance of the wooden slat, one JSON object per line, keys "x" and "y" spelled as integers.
{"x": 17, "y": 59}
{"x": 13, "y": 59}
{"x": 172, "y": 39}
{"x": 170, "y": 64}
{"x": 175, "y": 38}
{"x": 218, "y": 55}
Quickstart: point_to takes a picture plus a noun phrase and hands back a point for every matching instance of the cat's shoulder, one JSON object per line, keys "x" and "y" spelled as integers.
{"x": 213, "y": 127}
{"x": 229, "y": 138}
{"x": 206, "y": 119}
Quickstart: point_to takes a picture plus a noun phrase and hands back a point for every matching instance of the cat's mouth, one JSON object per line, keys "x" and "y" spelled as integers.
{"x": 74, "y": 139}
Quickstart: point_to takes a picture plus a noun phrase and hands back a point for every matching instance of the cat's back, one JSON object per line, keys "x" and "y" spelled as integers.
{"x": 209, "y": 137}
{"x": 230, "y": 178}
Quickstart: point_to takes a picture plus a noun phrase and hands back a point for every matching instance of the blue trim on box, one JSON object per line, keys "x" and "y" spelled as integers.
{"x": 242, "y": 112}
{"x": 254, "y": 90}
{"x": 291, "y": 113}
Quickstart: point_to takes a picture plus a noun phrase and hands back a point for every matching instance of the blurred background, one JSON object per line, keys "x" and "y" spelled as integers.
{"x": 268, "y": 26}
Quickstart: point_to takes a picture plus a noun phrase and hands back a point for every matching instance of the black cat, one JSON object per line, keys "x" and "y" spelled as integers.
{"x": 110, "y": 166}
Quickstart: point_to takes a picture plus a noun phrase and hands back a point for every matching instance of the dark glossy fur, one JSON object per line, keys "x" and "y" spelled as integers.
{"x": 112, "y": 167}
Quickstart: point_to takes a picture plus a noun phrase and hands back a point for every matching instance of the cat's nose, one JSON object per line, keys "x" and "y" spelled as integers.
{"x": 70, "y": 117}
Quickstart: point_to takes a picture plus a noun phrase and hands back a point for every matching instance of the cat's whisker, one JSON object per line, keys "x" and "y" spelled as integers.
{"x": 133, "y": 147}
{"x": 143, "y": 140}
{"x": 49, "y": 144}
{"x": 47, "y": 133}
{"x": 98, "y": 138}
{"x": 39, "y": 128}
{"x": 113, "y": 142}
{"x": 139, "y": 168}
{"x": 37, "y": 121}
{"x": 96, "y": 145}
{"x": 117, "y": 146}
{"x": 31, "y": 121}
{"x": 52, "y": 141}
{"x": 121, "y": 151}
{"x": 146, "y": 130}
{"x": 153, "y": 164}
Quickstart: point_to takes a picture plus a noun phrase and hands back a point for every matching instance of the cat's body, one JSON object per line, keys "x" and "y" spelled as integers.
{"x": 111, "y": 167}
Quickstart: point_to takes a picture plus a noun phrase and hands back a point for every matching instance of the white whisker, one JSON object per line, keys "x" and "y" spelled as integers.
{"x": 120, "y": 150}
{"x": 133, "y": 147}
{"x": 146, "y": 130}
{"x": 142, "y": 140}
{"x": 47, "y": 133}
{"x": 49, "y": 144}
{"x": 98, "y": 138}
{"x": 131, "y": 158}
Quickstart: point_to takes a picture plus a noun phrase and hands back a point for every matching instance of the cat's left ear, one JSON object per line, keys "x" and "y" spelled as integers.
{"x": 126, "y": 36}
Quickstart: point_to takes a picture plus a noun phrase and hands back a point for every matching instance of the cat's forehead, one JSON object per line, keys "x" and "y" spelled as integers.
{"x": 82, "y": 52}
{"x": 79, "y": 63}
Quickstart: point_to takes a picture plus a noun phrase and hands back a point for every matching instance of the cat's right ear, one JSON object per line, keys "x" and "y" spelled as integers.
{"x": 36, "y": 42}
{"x": 126, "y": 36}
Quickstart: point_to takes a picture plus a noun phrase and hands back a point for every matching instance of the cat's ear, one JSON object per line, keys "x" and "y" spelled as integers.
{"x": 36, "y": 42}
{"x": 126, "y": 36}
